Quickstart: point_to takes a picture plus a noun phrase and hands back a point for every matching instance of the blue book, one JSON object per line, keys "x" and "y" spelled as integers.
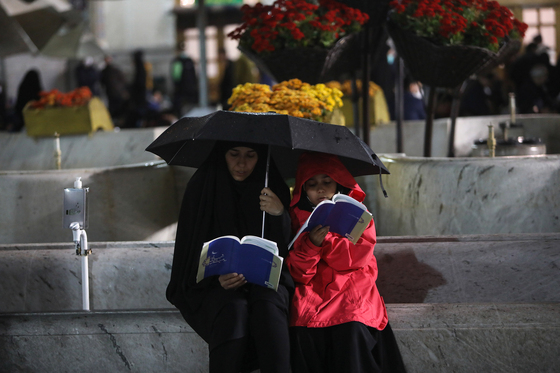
{"x": 343, "y": 214}
{"x": 254, "y": 257}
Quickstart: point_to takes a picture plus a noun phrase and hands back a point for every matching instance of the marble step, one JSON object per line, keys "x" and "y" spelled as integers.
{"x": 509, "y": 268}
{"x": 466, "y": 337}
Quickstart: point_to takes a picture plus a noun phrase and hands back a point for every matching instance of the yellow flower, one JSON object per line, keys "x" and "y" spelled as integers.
{"x": 292, "y": 97}
{"x": 346, "y": 87}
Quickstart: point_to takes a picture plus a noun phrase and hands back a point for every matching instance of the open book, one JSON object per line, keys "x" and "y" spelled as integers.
{"x": 343, "y": 214}
{"x": 254, "y": 257}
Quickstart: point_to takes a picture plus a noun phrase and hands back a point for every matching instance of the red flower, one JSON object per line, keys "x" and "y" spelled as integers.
{"x": 297, "y": 34}
{"x": 482, "y": 23}
{"x": 293, "y": 23}
{"x": 78, "y": 97}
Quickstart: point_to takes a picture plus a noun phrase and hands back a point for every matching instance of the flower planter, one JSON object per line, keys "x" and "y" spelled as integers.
{"x": 507, "y": 50}
{"x": 344, "y": 58}
{"x": 305, "y": 64}
{"x": 310, "y": 65}
{"x": 444, "y": 66}
{"x": 67, "y": 120}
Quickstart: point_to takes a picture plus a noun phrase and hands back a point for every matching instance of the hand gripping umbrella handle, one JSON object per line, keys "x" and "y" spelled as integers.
{"x": 266, "y": 184}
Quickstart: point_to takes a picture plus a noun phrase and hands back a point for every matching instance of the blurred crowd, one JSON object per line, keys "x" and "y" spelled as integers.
{"x": 135, "y": 101}
{"x": 142, "y": 101}
{"x": 138, "y": 99}
{"x": 529, "y": 74}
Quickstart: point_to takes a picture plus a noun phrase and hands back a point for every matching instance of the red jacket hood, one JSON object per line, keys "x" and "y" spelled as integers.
{"x": 311, "y": 164}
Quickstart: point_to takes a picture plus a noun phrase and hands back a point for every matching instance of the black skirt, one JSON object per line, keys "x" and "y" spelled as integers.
{"x": 350, "y": 347}
{"x": 252, "y": 312}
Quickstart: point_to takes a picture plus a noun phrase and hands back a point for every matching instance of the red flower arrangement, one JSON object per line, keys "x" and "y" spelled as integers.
{"x": 480, "y": 23}
{"x": 296, "y": 23}
{"x": 54, "y": 98}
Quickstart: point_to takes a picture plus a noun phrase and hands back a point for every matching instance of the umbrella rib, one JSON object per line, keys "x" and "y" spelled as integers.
{"x": 177, "y": 152}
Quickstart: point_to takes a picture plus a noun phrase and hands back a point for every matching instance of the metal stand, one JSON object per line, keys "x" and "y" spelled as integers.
{"x": 399, "y": 102}
{"x": 82, "y": 249}
{"x": 75, "y": 217}
{"x": 430, "y": 122}
{"x": 455, "y": 106}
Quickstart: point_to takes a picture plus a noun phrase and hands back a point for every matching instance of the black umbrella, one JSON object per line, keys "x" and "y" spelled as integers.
{"x": 189, "y": 141}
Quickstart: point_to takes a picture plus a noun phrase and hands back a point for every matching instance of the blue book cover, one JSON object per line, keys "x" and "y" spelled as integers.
{"x": 343, "y": 214}
{"x": 254, "y": 257}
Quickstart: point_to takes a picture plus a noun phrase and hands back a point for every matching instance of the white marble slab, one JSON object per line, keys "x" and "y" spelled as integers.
{"x": 435, "y": 338}
{"x": 19, "y": 152}
{"x": 452, "y": 196}
{"x": 126, "y": 203}
{"x": 134, "y": 275}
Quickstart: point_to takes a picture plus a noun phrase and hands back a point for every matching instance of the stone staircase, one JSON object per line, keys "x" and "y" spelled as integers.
{"x": 475, "y": 303}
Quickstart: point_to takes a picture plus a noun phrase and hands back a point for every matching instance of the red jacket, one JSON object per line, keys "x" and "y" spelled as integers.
{"x": 335, "y": 283}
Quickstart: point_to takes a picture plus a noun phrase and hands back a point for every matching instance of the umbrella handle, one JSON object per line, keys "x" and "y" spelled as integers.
{"x": 266, "y": 185}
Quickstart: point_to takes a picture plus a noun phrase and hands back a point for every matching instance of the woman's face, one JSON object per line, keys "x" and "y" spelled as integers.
{"x": 241, "y": 161}
{"x": 319, "y": 188}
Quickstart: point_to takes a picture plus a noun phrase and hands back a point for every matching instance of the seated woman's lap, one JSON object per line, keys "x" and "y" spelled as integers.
{"x": 345, "y": 347}
{"x": 229, "y": 313}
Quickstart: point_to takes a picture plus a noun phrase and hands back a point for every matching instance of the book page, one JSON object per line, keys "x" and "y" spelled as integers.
{"x": 261, "y": 242}
{"x": 222, "y": 237}
{"x": 345, "y": 198}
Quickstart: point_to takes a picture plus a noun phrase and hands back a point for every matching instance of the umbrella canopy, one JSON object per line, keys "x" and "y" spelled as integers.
{"x": 189, "y": 141}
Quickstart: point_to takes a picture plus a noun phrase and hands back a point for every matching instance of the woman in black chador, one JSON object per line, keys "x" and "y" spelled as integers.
{"x": 28, "y": 90}
{"x": 245, "y": 325}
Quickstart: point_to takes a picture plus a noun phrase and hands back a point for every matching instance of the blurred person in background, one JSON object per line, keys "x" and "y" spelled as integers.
{"x": 483, "y": 96}
{"x": 185, "y": 83}
{"x": 159, "y": 111}
{"x": 534, "y": 79}
{"x": 522, "y": 65}
{"x": 533, "y": 96}
{"x": 87, "y": 75}
{"x": 114, "y": 83}
{"x": 226, "y": 80}
{"x": 3, "y": 108}
{"x": 413, "y": 102}
{"x": 28, "y": 90}
{"x": 245, "y": 71}
{"x": 138, "y": 92}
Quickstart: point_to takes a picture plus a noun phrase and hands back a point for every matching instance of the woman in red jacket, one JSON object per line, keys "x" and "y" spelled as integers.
{"x": 338, "y": 319}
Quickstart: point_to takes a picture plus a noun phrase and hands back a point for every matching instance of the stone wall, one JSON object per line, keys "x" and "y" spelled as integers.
{"x": 450, "y": 196}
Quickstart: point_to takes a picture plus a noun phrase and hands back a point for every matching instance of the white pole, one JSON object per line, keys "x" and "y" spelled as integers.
{"x": 79, "y": 235}
{"x": 57, "y": 152}
{"x": 85, "y": 283}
